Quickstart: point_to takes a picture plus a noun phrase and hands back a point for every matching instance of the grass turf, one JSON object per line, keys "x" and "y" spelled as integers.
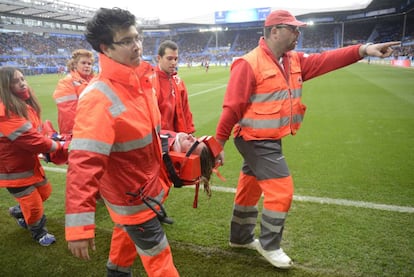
{"x": 355, "y": 144}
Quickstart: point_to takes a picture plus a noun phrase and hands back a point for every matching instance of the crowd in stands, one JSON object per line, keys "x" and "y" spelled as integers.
{"x": 39, "y": 53}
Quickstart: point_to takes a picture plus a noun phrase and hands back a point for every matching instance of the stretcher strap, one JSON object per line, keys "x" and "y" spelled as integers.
{"x": 169, "y": 164}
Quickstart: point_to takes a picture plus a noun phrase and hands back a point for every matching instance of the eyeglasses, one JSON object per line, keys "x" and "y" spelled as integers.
{"x": 129, "y": 42}
{"x": 292, "y": 28}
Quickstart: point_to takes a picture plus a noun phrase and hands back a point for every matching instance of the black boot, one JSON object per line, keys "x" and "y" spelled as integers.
{"x": 40, "y": 234}
{"x": 16, "y": 212}
{"x": 116, "y": 273}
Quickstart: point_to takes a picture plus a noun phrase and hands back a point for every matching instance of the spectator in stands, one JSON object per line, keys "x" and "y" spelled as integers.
{"x": 20, "y": 143}
{"x": 172, "y": 96}
{"x": 263, "y": 103}
{"x": 115, "y": 150}
{"x": 69, "y": 88}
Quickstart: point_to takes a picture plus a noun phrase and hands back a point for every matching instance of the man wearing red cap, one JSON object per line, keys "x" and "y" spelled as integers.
{"x": 263, "y": 104}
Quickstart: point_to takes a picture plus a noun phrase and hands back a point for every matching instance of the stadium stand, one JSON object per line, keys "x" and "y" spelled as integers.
{"x": 41, "y": 44}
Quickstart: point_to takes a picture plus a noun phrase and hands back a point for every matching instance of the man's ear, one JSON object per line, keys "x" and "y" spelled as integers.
{"x": 104, "y": 48}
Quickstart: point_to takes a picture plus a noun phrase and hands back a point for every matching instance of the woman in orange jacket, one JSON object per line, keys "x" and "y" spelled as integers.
{"x": 21, "y": 141}
{"x": 69, "y": 88}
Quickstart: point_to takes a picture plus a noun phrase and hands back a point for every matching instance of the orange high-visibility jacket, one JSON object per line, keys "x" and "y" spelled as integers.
{"x": 173, "y": 103}
{"x": 21, "y": 141}
{"x": 276, "y": 109}
{"x": 115, "y": 149}
{"x": 66, "y": 97}
{"x": 241, "y": 90}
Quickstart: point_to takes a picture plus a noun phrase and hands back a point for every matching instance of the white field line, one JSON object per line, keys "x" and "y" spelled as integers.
{"x": 320, "y": 200}
{"x": 207, "y": 90}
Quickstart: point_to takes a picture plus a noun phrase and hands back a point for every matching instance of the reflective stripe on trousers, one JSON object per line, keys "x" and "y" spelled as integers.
{"x": 30, "y": 199}
{"x": 149, "y": 241}
{"x": 264, "y": 172}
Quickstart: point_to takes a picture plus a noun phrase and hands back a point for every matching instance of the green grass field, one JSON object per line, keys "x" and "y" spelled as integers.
{"x": 353, "y": 166}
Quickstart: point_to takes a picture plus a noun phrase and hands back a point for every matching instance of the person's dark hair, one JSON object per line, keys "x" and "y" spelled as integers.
{"x": 11, "y": 102}
{"x": 105, "y": 23}
{"x": 207, "y": 164}
{"x": 166, "y": 44}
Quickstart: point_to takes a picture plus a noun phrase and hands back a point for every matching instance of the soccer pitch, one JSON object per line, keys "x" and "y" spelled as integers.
{"x": 352, "y": 163}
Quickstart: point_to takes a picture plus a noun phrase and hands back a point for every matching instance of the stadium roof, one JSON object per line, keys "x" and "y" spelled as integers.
{"x": 72, "y": 13}
{"x": 47, "y": 9}
{"x": 202, "y": 12}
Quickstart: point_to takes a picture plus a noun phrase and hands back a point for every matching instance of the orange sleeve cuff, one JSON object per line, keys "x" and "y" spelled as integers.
{"x": 79, "y": 232}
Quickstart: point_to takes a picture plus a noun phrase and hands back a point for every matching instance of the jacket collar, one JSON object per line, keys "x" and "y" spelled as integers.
{"x": 75, "y": 75}
{"x": 266, "y": 49}
{"x": 162, "y": 74}
{"x": 117, "y": 72}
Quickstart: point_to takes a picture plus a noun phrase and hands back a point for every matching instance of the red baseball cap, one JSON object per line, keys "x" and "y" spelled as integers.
{"x": 278, "y": 17}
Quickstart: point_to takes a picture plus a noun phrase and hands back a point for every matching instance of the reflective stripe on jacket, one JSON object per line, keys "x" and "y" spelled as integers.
{"x": 20, "y": 143}
{"x": 275, "y": 108}
{"x": 115, "y": 149}
{"x": 66, "y": 97}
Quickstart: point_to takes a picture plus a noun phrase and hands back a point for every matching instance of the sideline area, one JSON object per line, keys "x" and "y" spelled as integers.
{"x": 312, "y": 199}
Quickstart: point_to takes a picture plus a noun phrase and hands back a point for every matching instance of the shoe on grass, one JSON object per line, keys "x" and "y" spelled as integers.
{"x": 47, "y": 240}
{"x": 16, "y": 212}
{"x": 277, "y": 258}
{"x": 21, "y": 223}
{"x": 251, "y": 245}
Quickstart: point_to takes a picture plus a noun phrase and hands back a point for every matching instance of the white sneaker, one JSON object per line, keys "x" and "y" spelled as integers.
{"x": 277, "y": 258}
{"x": 47, "y": 240}
{"x": 252, "y": 245}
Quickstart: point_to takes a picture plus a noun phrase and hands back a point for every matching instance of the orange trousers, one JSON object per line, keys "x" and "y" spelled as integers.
{"x": 147, "y": 240}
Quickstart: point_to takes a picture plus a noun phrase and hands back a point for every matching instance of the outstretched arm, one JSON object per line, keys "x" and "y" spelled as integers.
{"x": 381, "y": 50}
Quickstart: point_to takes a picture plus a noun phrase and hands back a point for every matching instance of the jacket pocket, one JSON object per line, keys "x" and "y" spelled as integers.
{"x": 267, "y": 109}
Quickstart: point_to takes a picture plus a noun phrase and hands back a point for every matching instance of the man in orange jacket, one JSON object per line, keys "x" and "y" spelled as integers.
{"x": 263, "y": 103}
{"x": 116, "y": 150}
{"x": 172, "y": 95}
{"x": 21, "y": 140}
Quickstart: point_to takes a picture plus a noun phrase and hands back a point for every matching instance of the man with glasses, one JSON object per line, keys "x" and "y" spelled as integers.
{"x": 115, "y": 151}
{"x": 263, "y": 104}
